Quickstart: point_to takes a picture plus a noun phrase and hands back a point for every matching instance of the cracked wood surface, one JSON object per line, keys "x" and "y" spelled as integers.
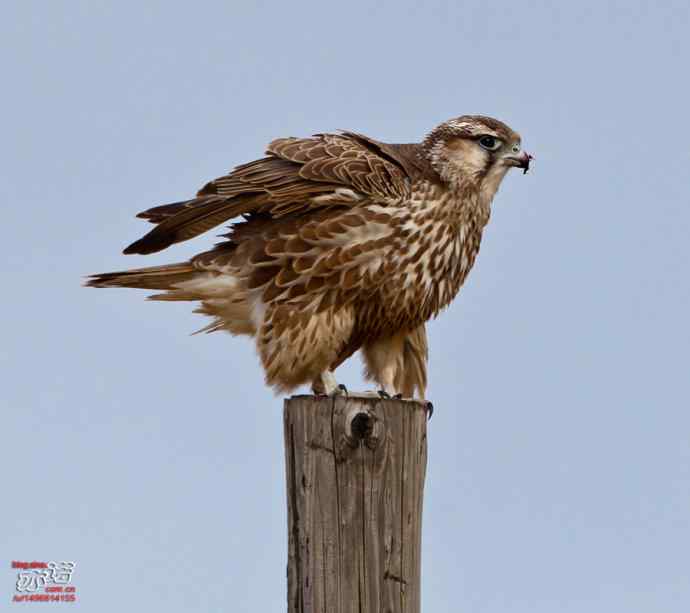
{"x": 355, "y": 482}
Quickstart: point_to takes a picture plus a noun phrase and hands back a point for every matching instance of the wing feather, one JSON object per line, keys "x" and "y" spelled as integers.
{"x": 297, "y": 176}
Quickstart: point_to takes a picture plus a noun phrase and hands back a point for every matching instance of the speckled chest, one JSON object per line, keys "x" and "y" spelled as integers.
{"x": 435, "y": 241}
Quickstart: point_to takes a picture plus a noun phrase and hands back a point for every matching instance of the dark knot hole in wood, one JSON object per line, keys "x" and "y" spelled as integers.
{"x": 363, "y": 427}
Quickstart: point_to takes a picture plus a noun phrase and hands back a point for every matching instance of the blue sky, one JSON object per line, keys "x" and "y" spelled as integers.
{"x": 559, "y": 456}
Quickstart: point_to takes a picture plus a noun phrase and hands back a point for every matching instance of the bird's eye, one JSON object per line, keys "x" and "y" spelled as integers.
{"x": 490, "y": 143}
{"x": 516, "y": 148}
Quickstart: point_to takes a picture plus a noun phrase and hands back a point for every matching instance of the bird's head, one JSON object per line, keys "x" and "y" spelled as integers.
{"x": 476, "y": 150}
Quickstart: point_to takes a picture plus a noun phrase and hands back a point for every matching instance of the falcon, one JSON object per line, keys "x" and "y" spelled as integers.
{"x": 343, "y": 243}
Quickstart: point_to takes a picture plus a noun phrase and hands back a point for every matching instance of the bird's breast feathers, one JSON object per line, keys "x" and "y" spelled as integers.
{"x": 429, "y": 245}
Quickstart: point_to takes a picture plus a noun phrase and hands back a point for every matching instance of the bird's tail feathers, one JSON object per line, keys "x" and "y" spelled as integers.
{"x": 164, "y": 277}
{"x": 222, "y": 296}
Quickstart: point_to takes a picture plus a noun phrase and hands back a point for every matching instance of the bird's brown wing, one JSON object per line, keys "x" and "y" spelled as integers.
{"x": 298, "y": 175}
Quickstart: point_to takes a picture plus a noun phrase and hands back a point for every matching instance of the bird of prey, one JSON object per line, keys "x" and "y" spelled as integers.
{"x": 343, "y": 243}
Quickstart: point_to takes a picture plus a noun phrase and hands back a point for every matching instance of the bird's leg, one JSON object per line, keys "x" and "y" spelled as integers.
{"x": 326, "y": 384}
{"x": 387, "y": 381}
{"x": 382, "y": 358}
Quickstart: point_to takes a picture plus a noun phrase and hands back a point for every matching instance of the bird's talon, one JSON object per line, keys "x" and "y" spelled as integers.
{"x": 397, "y": 397}
{"x": 384, "y": 394}
{"x": 342, "y": 389}
{"x": 429, "y": 410}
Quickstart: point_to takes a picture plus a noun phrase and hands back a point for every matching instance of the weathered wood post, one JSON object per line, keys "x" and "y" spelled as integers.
{"x": 355, "y": 482}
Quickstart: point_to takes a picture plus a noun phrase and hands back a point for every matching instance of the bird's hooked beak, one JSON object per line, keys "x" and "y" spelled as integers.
{"x": 521, "y": 160}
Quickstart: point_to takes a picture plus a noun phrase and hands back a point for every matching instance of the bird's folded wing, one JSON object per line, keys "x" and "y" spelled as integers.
{"x": 296, "y": 176}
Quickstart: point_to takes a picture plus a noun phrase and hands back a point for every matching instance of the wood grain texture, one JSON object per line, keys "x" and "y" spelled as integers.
{"x": 355, "y": 472}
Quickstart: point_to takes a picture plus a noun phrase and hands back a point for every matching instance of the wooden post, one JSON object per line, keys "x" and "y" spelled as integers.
{"x": 355, "y": 482}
